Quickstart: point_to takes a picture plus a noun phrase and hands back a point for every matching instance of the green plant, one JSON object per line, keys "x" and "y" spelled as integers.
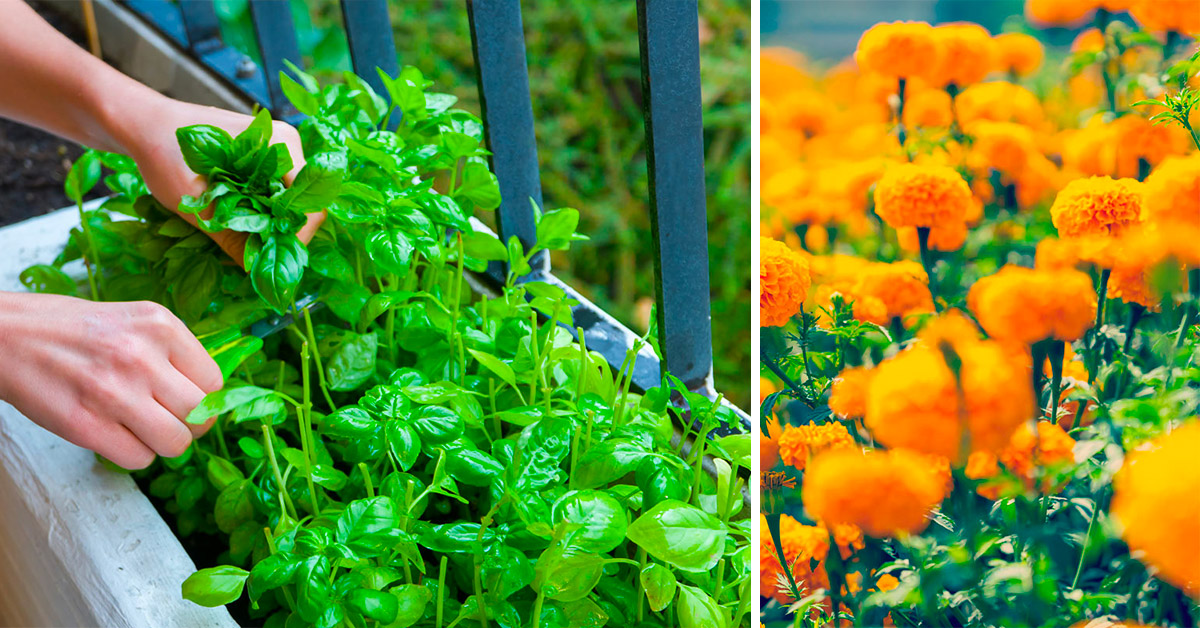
{"x": 414, "y": 455}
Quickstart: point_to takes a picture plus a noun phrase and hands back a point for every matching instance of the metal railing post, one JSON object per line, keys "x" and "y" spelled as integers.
{"x": 369, "y": 33}
{"x": 276, "y": 41}
{"x": 670, "y": 45}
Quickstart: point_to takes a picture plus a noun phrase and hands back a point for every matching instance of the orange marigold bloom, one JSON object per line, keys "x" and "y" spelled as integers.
{"x": 1028, "y": 305}
{"x": 999, "y": 101}
{"x": 1022, "y": 457}
{"x": 765, "y": 388}
{"x": 928, "y": 108}
{"x": 913, "y": 400}
{"x": 1182, "y": 16}
{"x": 803, "y": 545}
{"x": 848, "y": 395}
{"x": 1003, "y": 146}
{"x": 886, "y": 493}
{"x": 1058, "y": 12}
{"x": 966, "y": 54}
{"x": 897, "y": 49}
{"x": 1019, "y": 53}
{"x": 1154, "y": 500}
{"x": 1061, "y": 253}
{"x": 887, "y": 291}
{"x": 1172, "y": 191}
{"x": 948, "y": 237}
{"x": 1089, "y": 40}
{"x": 799, "y": 443}
{"x": 784, "y": 282}
{"x": 1098, "y": 205}
{"x": 921, "y": 196}
{"x": 1037, "y": 182}
{"x": 1136, "y": 138}
{"x": 1132, "y": 285}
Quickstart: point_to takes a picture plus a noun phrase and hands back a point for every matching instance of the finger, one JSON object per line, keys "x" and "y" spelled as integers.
{"x": 123, "y": 449}
{"x": 310, "y": 228}
{"x": 180, "y": 395}
{"x": 159, "y": 430}
{"x": 188, "y": 357}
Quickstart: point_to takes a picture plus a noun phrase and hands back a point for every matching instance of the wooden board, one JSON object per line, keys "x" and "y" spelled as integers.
{"x": 79, "y": 545}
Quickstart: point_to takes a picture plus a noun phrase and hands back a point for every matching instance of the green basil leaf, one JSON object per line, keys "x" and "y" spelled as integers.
{"x": 377, "y": 605}
{"x": 48, "y": 280}
{"x": 278, "y": 268}
{"x": 697, "y": 609}
{"x": 496, "y": 365}
{"x": 680, "y": 535}
{"x": 215, "y": 586}
{"x": 412, "y": 600}
{"x": 224, "y": 400}
{"x": 438, "y": 425}
{"x": 269, "y": 573}
{"x": 353, "y": 362}
{"x": 659, "y": 584}
{"x": 391, "y": 249}
{"x": 204, "y": 147}
{"x": 600, "y": 519}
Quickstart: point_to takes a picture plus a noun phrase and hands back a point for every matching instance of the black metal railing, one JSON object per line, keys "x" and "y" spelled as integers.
{"x": 668, "y": 32}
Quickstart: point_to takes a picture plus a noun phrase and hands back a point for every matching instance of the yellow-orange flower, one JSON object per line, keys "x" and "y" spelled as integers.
{"x": 1136, "y": 138}
{"x": 1154, "y": 501}
{"x": 1058, "y": 12}
{"x": 1098, "y": 205}
{"x": 1182, "y": 16}
{"x": 897, "y": 49}
{"x": 1089, "y": 40}
{"x": 783, "y": 280}
{"x": 848, "y": 395}
{"x": 928, "y": 108}
{"x": 765, "y": 388}
{"x": 1003, "y": 146}
{"x": 1023, "y": 456}
{"x": 800, "y": 443}
{"x": 1172, "y": 191}
{"x": 803, "y": 545}
{"x": 885, "y": 493}
{"x": 887, "y": 291}
{"x": 1019, "y": 53}
{"x": 1132, "y": 285}
{"x": 913, "y": 399}
{"x": 966, "y": 54}
{"x": 911, "y": 195}
{"x": 999, "y": 101}
{"x": 1028, "y": 305}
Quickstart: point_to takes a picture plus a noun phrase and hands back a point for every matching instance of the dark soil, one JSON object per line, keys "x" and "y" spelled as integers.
{"x": 33, "y": 163}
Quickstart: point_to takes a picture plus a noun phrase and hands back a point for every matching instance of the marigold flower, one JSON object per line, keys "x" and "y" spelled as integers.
{"x": 897, "y": 49}
{"x": 765, "y": 388}
{"x": 1019, "y": 53}
{"x": 948, "y": 237}
{"x": 1099, "y": 205}
{"x": 998, "y": 101}
{"x": 1136, "y": 138}
{"x": 1023, "y": 456}
{"x": 1154, "y": 501}
{"x": 1181, "y": 16}
{"x": 803, "y": 545}
{"x": 966, "y": 54}
{"x": 913, "y": 399}
{"x": 911, "y": 195}
{"x": 1088, "y": 40}
{"x": 1172, "y": 191}
{"x": 1003, "y": 146}
{"x": 928, "y": 108}
{"x": 783, "y": 280}
{"x": 848, "y": 395}
{"x": 800, "y": 443}
{"x": 1058, "y": 12}
{"x": 1132, "y": 285}
{"x": 885, "y": 493}
{"x": 1029, "y": 305}
{"x": 1037, "y": 182}
{"x": 889, "y": 291}
{"x": 1062, "y": 253}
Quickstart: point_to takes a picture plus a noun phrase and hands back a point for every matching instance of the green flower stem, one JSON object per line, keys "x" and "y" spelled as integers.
{"x": 442, "y": 591}
{"x": 1189, "y": 311}
{"x": 641, "y": 596}
{"x": 1055, "y": 353}
{"x": 458, "y": 285}
{"x": 87, "y": 235}
{"x": 1093, "y": 358}
{"x": 901, "y": 133}
{"x": 773, "y": 528}
{"x": 285, "y": 500}
{"x": 312, "y": 339}
{"x": 306, "y": 433}
{"x": 533, "y": 351}
{"x": 584, "y": 365}
{"x": 1087, "y": 536}
{"x": 927, "y": 262}
{"x": 219, "y": 432}
{"x": 366, "y": 473}
{"x": 537, "y": 607}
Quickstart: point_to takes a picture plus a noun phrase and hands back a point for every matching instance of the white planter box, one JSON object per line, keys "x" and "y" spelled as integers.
{"x": 79, "y": 545}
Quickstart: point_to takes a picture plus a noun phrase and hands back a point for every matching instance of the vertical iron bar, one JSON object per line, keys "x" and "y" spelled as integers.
{"x": 202, "y": 26}
{"x": 369, "y": 32}
{"x": 276, "y": 41}
{"x": 668, "y": 31}
{"x": 498, "y": 41}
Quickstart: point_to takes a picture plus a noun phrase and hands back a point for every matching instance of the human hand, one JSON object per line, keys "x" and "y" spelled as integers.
{"x": 151, "y": 142}
{"x": 116, "y": 378}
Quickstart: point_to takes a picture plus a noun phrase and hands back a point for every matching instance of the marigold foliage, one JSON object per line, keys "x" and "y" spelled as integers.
{"x": 911, "y": 195}
{"x": 1027, "y": 305}
{"x": 1154, "y": 501}
{"x": 783, "y": 281}
{"x": 885, "y": 493}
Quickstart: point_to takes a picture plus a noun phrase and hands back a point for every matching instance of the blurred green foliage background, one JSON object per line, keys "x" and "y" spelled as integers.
{"x": 584, "y": 70}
